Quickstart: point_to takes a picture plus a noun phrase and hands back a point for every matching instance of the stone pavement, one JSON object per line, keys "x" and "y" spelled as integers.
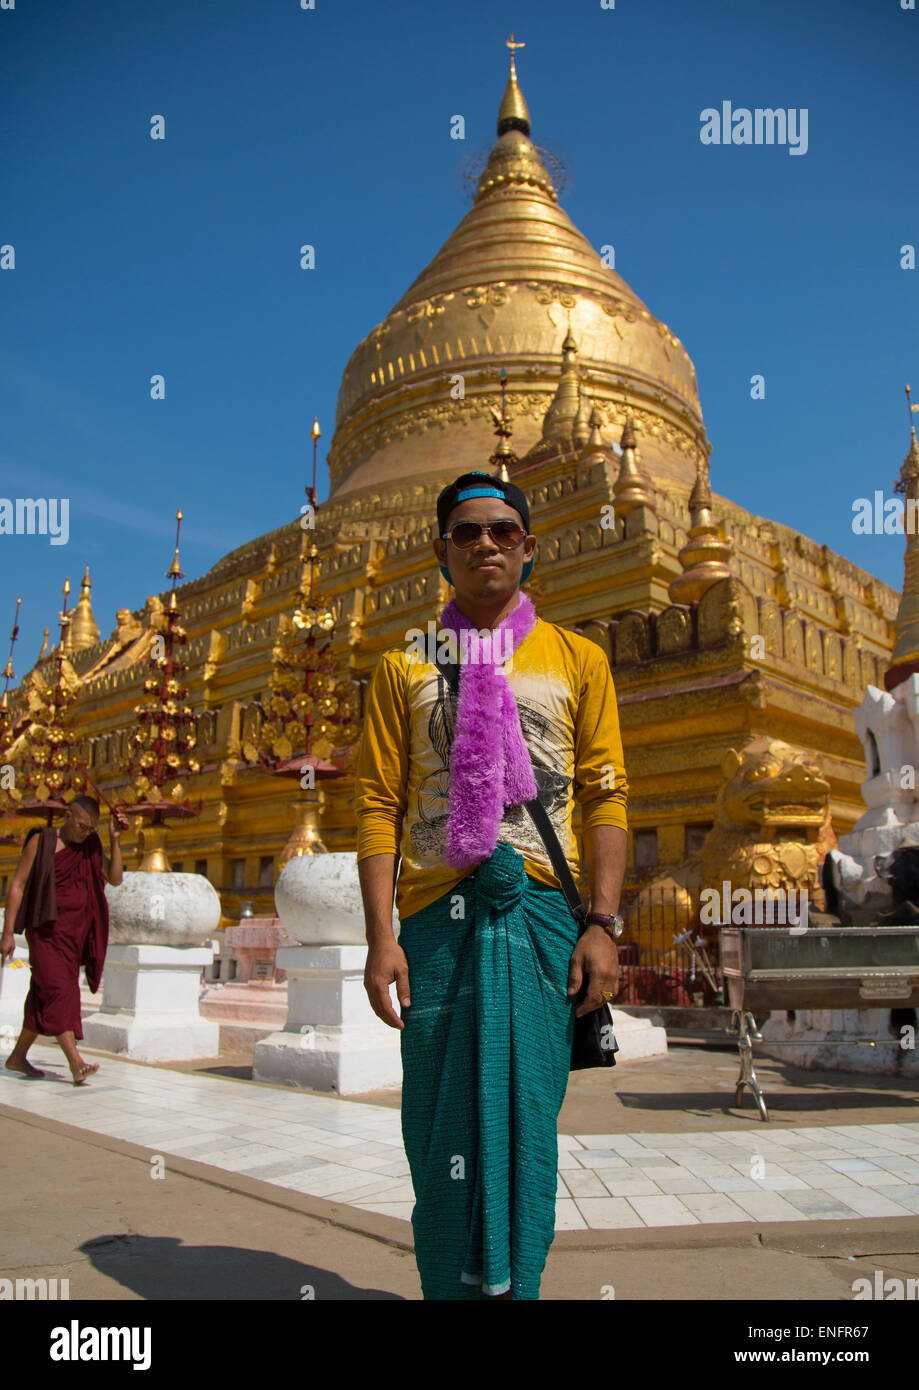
{"x": 133, "y": 1218}
{"x": 350, "y": 1152}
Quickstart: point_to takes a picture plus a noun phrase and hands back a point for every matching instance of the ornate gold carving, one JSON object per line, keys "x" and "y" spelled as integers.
{"x": 674, "y": 631}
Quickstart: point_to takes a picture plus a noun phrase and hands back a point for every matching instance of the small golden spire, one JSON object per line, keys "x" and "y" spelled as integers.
{"x": 705, "y": 556}
{"x": 44, "y": 649}
{"x": 632, "y": 488}
{"x": 65, "y": 619}
{"x": 84, "y": 630}
{"x": 8, "y": 674}
{"x": 174, "y": 571}
{"x": 904, "y": 659}
{"x": 514, "y": 161}
{"x": 513, "y": 113}
{"x": 558, "y": 423}
{"x": 503, "y": 454}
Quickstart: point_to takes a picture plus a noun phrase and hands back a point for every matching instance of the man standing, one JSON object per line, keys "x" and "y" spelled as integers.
{"x": 57, "y": 897}
{"x": 488, "y": 959}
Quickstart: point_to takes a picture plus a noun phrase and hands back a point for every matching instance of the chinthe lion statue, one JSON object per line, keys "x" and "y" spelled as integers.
{"x": 771, "y": 833}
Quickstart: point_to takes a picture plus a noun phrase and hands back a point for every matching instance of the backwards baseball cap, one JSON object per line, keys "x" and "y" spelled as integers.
{"x": 481, "y": 484}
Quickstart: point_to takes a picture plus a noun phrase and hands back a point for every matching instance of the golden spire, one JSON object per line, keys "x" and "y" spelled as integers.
{"x": 595, "y": 450}
{"x": 44, "y": 648}
{"x": 705, "y": 555}
{"x": 514, "y": 160}
{"x": 513, "y": 113}
{"x": 580, "y": 430}
{"x": 6, "y": 720}
{"x": 562, "y": 413}
{"x": 174, "y": 571}
{"x": 632, "y": 488}
{"x": 503, "y": 454}
{"x": 64, "y": 644}
{"x": 84, "y": 629}
{"x": 904, "y": 659}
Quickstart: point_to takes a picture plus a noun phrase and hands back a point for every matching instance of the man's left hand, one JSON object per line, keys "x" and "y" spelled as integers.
{"x": 595, "y": 956}
{"x": 116, "y": 825}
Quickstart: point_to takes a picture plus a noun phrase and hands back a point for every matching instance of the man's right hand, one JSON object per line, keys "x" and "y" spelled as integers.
{"x": 387, "y": 963}
{"x": 7, "y": 946}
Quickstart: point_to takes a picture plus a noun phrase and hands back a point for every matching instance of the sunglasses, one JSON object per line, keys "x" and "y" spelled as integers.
{"x": 505, "y": 534}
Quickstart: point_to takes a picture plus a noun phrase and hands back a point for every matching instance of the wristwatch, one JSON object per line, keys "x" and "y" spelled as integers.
{"x": 613, "y": 926}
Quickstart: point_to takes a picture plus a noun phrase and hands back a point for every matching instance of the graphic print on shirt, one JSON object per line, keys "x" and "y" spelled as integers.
{"x": 548, "y": 742}
{"x": 428, "y": 832}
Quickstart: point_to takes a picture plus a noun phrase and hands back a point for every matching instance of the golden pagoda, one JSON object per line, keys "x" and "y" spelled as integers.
{"x": 723, "y": 629}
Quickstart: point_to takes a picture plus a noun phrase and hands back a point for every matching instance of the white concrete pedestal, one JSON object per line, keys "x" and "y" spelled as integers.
{"x": 332, "y": 1040}
{"x": 825, "y": 1040}
{"x": 150, "y": 1004}
{"x": 637, "y": 1037}
{"x": 15, "y": 979}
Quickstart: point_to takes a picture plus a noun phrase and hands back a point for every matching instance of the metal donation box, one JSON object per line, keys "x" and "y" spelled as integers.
{"x": 767, "y": 968}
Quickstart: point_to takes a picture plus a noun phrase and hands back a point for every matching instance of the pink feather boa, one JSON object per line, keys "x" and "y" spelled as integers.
{"x": 490, "y": 766}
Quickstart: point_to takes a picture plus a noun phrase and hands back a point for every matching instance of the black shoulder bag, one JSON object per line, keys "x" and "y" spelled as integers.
{"x": 594, "y": 1042}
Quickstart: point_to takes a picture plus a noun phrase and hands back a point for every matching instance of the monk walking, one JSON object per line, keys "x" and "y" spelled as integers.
{"x": 57, "y": 897}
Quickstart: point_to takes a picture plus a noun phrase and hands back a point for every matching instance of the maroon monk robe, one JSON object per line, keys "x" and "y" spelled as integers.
{"x": 64, "y": 915}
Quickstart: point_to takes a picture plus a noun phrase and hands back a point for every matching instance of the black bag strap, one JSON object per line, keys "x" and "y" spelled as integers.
{"x": 540, "y": 818}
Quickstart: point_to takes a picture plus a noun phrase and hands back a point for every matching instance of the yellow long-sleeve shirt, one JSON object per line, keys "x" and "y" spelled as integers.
{"x": 567, "y": 703}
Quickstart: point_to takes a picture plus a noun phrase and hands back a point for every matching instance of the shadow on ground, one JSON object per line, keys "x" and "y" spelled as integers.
{"x": 163, "y": 1267}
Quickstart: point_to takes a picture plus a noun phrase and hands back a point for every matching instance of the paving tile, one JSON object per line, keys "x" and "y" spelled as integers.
{"x": 679, "y": 1186}
{"x": 401, "y": 1210}
{"x": 878, "y": 1177}
{"x": 567, "y": 1216}
{"x": 582, "y": 1183}
{"x": 733, "y": 1184}
{"x": 904, "y": 1167}
{"x": 663, "y": 1211}
{"x": 908, "y": 1197}
{"x": 606, "y": 1141}
{"x": 866, "y": 1202}
{"x": 600, "y": 1158}
{"x": 568, "y": 1159}
{"x": 241, "y": 1160}
{"x": 630, "y": 1187}
{"x": 822, "y": 1206}
{"x": 279, "y": 1168}
{"x": 713, "y": 1207}
{"x": 852, "y": 1165}
{"x": 767, "y": 1206}
{"x": 608, "y": 1213}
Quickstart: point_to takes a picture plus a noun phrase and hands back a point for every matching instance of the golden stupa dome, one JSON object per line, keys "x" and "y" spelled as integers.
{"x": 507, "y": 289}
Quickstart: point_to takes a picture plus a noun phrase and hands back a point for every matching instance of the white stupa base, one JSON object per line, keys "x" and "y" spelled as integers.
{"x": 150, "y": 1005}
{"x": 825, "y": 1040}
{"x": 332, "y": 1040}
{"x": 637, "y": 1037}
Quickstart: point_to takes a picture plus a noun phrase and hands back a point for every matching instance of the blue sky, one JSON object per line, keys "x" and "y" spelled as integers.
{"x": 331, "y": 126}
